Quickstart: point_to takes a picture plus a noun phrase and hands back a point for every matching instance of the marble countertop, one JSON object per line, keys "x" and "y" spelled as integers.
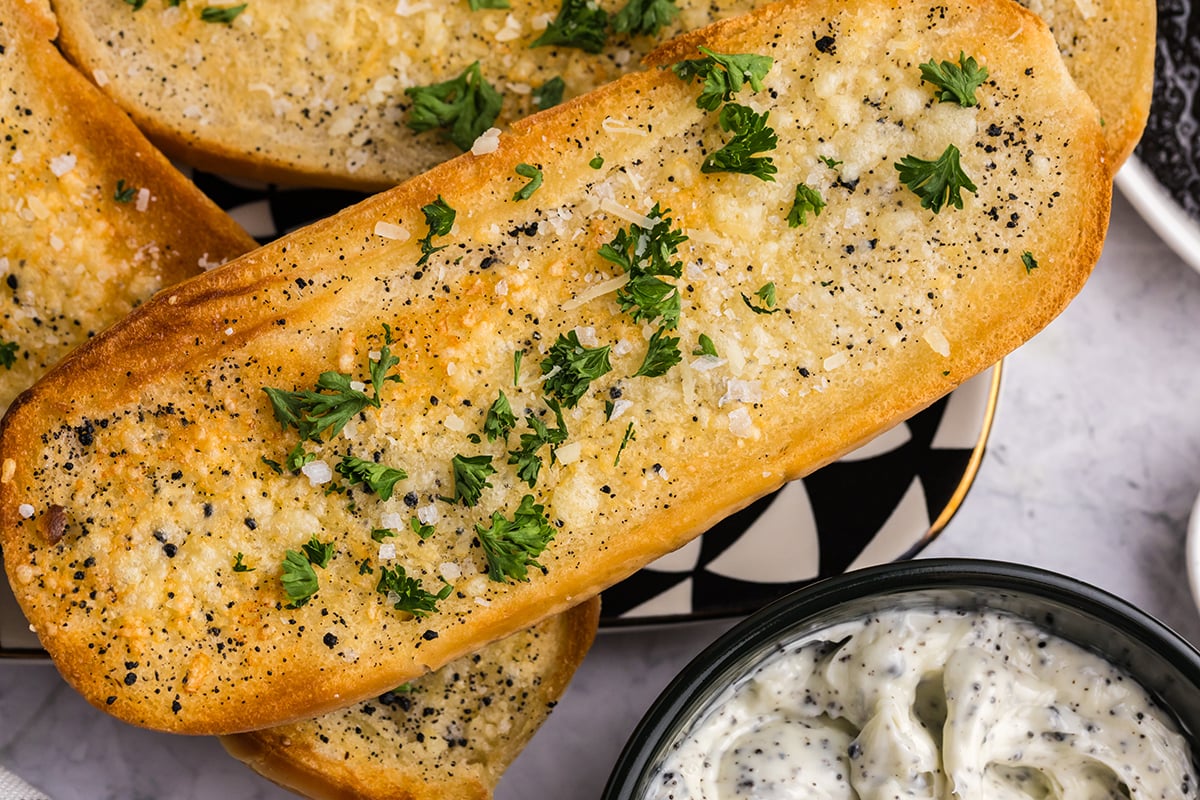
{"x": 1092, "y": 469}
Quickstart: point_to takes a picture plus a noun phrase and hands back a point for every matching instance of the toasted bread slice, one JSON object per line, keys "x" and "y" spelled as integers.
{"x": 319, "y": 96}
{"x": 93, "y": 220}
{"x": 450, "y": 733}
{"x": 825, "y": 333}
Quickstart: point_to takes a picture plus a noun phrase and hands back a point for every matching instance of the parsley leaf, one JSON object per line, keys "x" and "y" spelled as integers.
{"x": 137, "y": 4}
{"x": 470, "y": 477}
{"x": 751, "y": 135}
{"x": 957, "y": 82}
{"x": 806, "y": 200}
{"x": 549, "y": 94}
{"x": 8, "y": 353}
{"x": 645, "y": 17}
{"x": 597, "y": 161}
{"x": 239, "y": 565}
{"x": 832, "y": 163}
{"x": 723, "y": 75}
{"x": 462, "y": 107}
{"x": 936, "y": 182}
{"x": 499, "y": 420}
{"x": 420, "y": 528}
{"x": 766, "y": 293}
{"x": 1029, "y": 261}
{"x": 644, "y": 254}
{"x": 580, "y": 23}
{"x": 512, "y": 545}
{"x": 299, "y": 579}
{"x": 705, "y": 347}
{"x": 124, "y": 193}
{"x": 379, "y": 478}
{"x": 439, "y": 219}
{"x": 407, "y": 594}
{"x": 318, "y": 552}
{"x": 629, "y": 436}
{"x": 570, "y": 368}
{"x": 379, "y": 534}
{"x": 380, "y": 367}
{"x": 526, "y": 457}
{"x": 476, "y": 5}
{"x": 517, "y": 356}
{"x": 226, "y": 14}
{"x": 662, "y": 354}
{"x": 535, "y": 181}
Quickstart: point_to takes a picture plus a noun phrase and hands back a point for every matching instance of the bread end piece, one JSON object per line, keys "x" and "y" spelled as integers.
{"x": 451, "y": 733}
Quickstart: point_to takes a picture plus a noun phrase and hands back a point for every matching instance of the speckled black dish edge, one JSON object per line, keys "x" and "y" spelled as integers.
{"x": 1164, "y": 663}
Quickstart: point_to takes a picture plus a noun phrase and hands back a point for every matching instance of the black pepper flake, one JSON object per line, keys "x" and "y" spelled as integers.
{"x": 330, "y": 640}
{"x": 108, "y": 701}
{"x": 130, "y": 679}
{"x": 827, "y": 45}
{"x": 176, "y": 707}
{"x": 170, "y": 550}
{"x": 86, "y": 433}
{"x": 429, "y": 636}
{"x": 251, "y": 523}
{"x": 410, "y": 499}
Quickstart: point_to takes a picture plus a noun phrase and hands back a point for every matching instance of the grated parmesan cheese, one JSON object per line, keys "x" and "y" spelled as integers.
{"x": 390, "y": 230}
{"x": 740, "y": 424}
{"x": 25, "y": 510}
{"x": 317, "y": 472}
{"x": 617, "y": 126}
{"x": 627, "y": 214}
{"x": 392, "y": 520}
{"x": 61, "y": 165}
{"x": 738, "y": 391}
{"x": 836, "y": 360}
{"x": 101, "y": 78}
{"x": 569, "y": 453}
{"x": 428, "y": 515}
{"x": 934, "y": 337}
{"x": 488, "y": 142}
{"x": 387, "y": 551}
{"x": 592, "y": 292}
{"x": 143, "y": 199}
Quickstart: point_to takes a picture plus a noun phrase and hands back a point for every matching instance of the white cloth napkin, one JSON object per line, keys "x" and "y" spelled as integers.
{"x": 13, "y": 788}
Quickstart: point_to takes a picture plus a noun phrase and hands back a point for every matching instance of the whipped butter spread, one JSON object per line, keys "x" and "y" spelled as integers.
{"x": 926, "y": 703}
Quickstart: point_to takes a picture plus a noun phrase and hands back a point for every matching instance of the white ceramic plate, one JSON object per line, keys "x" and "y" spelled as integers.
{"x": 1161, "y": 212}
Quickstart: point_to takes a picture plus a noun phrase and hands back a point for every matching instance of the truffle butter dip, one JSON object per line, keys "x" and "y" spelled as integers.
{"x": 930, "y": 703}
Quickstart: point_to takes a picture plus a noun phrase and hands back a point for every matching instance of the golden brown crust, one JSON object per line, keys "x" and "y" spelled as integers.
{"x": 1108, "y": 47}
{"x": 74, "y": 258}
{"x": 326, "y": 109}
{"x": 452, "y": 734}
{"x": 883, "y": 306}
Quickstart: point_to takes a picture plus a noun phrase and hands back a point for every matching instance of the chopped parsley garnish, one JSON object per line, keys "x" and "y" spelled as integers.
{"x": 439, "y": 219}
{"x": 807, "y": 200}
{"x": 379, "y": 478}
{"x": 333, "y": 404}
{"x": 407, "y": 594}
{"x": 570, "y": 368}
{"x": 299, "y": 579}
{"x": 597, "y": 161}
{"x": 646, "y": 254}
{"x": 645, "y": 17}
{"x": 832, "y": 163}
{"x": 526, "y": 457}
{"x": 462, "y": 108}
{"x": 299, "y": 457}
{"x": 275, "y": 466}
{"x": 724, "y": 75}
{"x": 470, "y": 477}
{"x": 662, "y": 354}
{"x": 629, "y": 436}
{"x": 379, "y": 534}
{"x": 549, "y": 94}
{"x": 137, "y": 4}
{"x": 535, "y": 181}
{"x": 751, "y": 135}
{"x": 500, "y": 419}
{"x": 517, "y": 356}
{"x": 1029, "y": 261}
{"x": 8, "y": 353}
{"x": 936, "y": 182}
{"x": 512, "y": 545}
{"x": 124, "y": 192}
{"x": 477, "y": 5}
{"x": 765, "y": 293}
{"x": 226, "y": 14}
{"x": 580, "y": 23}
{"x": 318, "y": 552}
{"x": 957, "y": 82}
{"x": 239, "y": 565}
{"x": 705, "y": 347}
{"x": 420, "y": 528}
{"x": 365, "y": 568}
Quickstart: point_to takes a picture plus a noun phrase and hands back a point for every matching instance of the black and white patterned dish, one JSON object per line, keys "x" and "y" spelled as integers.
{"x": 881, "y": 503}
{"x": 1162, "y": 179}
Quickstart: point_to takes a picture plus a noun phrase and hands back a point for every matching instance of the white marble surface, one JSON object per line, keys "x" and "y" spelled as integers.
{"x": 1092, "y": 468}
